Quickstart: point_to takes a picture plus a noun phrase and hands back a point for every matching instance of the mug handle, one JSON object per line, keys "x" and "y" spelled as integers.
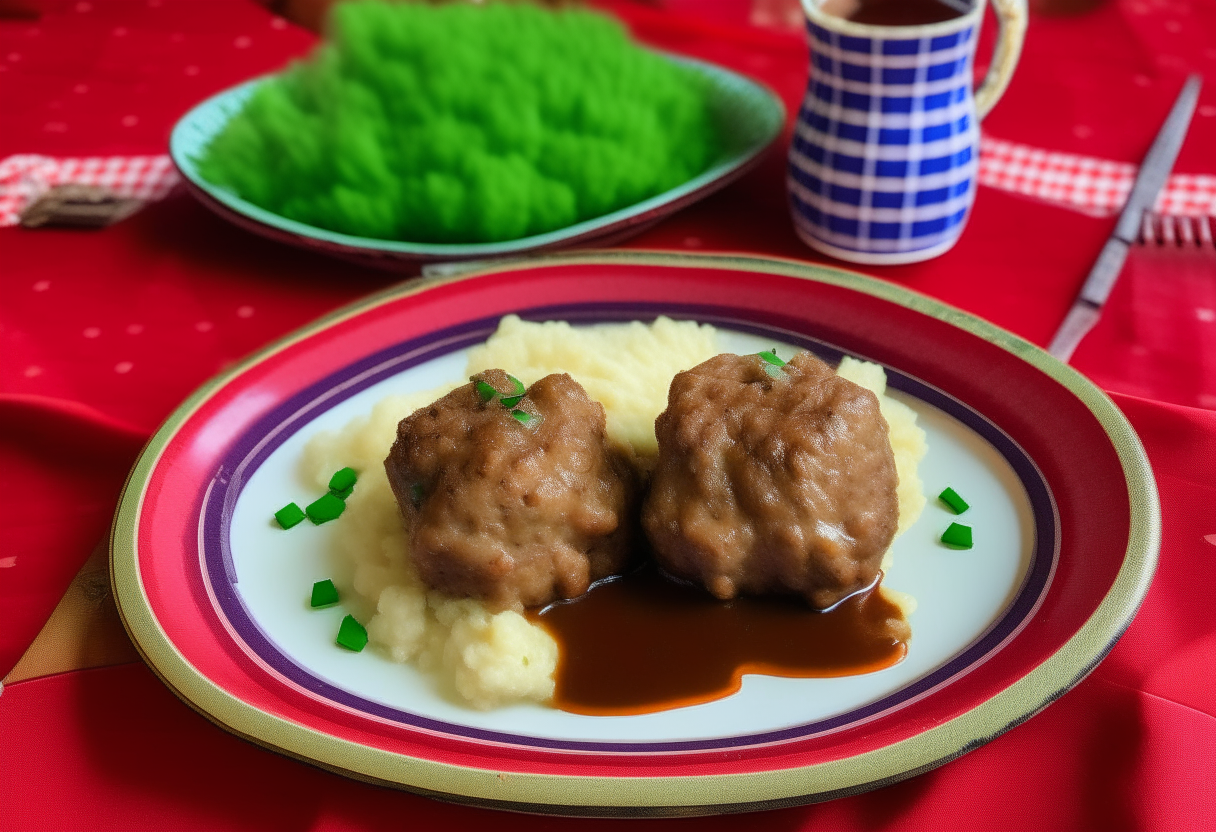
{"x": 1011, "y": 17}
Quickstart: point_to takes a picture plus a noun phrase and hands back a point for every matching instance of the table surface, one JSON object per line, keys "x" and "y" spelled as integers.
{"x": 103, "y": 333}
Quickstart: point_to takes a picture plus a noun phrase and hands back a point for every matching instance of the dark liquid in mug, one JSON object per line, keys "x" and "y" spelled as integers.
{"x": 895, "y": 12}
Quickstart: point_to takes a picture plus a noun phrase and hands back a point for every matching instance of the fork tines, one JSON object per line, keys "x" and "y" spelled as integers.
{"x": 1176, "y": 231}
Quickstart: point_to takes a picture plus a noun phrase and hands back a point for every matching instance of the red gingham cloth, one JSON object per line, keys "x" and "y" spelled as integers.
{"x": 1097, "y": 187}
{"x": 25, "y": 177}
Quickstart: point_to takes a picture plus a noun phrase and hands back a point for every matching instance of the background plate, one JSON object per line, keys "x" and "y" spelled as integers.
{"x": 1072, "y": 519}
{"x": 751, "y": 118}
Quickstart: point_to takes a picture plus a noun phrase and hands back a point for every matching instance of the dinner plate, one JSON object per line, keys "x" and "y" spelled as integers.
{"x": 750, "y": 115}
{"x": 1063, "y": 507}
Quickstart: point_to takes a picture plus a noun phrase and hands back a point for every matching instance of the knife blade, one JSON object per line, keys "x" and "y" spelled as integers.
{"x": 1154, "y": 172}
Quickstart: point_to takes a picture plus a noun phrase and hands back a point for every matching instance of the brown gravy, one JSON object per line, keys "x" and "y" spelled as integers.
{"x": 643, "y": 642}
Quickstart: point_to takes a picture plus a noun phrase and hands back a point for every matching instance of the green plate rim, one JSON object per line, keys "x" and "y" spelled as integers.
{"x": 666, "y": 796}
{"x": 183, "y": 150}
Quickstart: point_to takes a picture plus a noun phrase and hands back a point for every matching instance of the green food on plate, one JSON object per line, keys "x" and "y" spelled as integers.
{"x": 952, "y": 499}
{"x": 326, "y": 508}
{"x": 957, "y": 536}
{"x": 289, "y": 515}
{"x": 324, "y": 594}
{"x": 351, "y": 634}
{"x": 463, "y": 123}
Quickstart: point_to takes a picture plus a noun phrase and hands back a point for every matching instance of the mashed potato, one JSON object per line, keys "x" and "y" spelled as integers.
{"x": 487, "y": 660}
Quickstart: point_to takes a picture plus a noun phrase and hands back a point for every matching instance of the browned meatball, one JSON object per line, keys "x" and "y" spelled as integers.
{"x": 514, "y": 514}
{"x": 781, "y": 483}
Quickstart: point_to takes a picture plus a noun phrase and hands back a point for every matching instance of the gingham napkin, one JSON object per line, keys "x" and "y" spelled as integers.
{"x": 26, "y": 177}
{"x": 1097, "y": 187}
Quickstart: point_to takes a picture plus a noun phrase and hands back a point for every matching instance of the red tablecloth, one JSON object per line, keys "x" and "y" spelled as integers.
{"x": 103, "y": 333}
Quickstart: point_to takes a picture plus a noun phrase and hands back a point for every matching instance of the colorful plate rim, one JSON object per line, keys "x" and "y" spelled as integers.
{"x": 785, "y": 777}
{"x": 202, "y": 122}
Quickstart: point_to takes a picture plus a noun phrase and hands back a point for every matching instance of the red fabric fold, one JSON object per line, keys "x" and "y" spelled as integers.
{"x": 64, "y": 464}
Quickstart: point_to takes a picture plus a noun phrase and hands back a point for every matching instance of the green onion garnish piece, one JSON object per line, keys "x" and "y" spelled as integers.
{"x": 956, "y": 503}
{"x": 957, "y": 536}
{"x": 770, "y": 357}
{"x": 352, "y": 635}
{"x": 343, "y": 480}
{"x": 484, "y": 391}
{"x": 324, "y": 594}
{"x": 519, "y": 386}
{"x": 344, "y": 493}
{"x": 416, "y": 494}
{"x": 289, "y": 515}
{"x": 527, "y": 419}
{"x": 511, "y": 401}
{"x": 328, "y": 507}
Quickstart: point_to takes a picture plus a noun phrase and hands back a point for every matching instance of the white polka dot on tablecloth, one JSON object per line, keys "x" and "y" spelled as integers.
{"x": 1208, "y": 400}
{"x": 130, "y": 121}
{"x": 191, "y": 70}
{"x": 243, "y": 42}
{"x": 1138, "y": 8}
{"x": 692, "y": 242}
{"x": 41, "y": 286}
{"x": 1207, "y": 110}
{"x": 1173, "y": 27}
{"x": 119, "y": 31}
{"x": 278, "y": 23}
{"x": 204, "y": 326}
{"x": 1142, "y": 81}
{"x": 80, "y": 89}
{"x": 245, "y": 312}
{"x": 8, "y": 562}
{"x": 1205, "y": 315}
{"x": 13, "y": 57}
{"x": 135, "y": 329}
{"x": 123, "y": 367}
{"x": 91, "y": 332}
{"x": 1082, "y": 131}
{"x": 1139, "y": 350}
{"x": 55, "y": 127}
{"x": 84, "y": 7}
{"x": 32, "y": 371}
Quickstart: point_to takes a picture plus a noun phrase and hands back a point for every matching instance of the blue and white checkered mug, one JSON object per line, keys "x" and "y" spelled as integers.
{"x": 882, "y": 165}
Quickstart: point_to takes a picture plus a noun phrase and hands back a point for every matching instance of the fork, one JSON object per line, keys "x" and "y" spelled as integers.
{"x": 1161, "y": 340}
{"x": 1186, "y": 235}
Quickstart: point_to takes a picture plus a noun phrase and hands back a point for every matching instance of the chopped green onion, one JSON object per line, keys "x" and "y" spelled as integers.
{"x": 324, "y": 594}
{"x": 328, "y": 507}
{"x": 951, "y": 498}
{"x": 352, "y": 635}
{"x": 957, "y": 536}
{"x": 343, "y": 494}
{"x": 527, "y": 419}
{"x": 519, "y": 386}
{"x": 416, "y": 494}
{"x": 770, "y": 357}
{"x": 511, "y": 401}
{"x": 485, "y": 392}
{"x": 289, "y": 515}
{"x": 343, "y": 480}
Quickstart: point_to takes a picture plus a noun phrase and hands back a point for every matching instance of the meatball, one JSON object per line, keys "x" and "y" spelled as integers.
{"x": 515, "y": 500}
{"x": 772, "y": 480}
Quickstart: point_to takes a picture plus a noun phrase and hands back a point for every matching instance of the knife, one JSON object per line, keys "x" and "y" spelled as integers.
{"x": 1153, "y": 172}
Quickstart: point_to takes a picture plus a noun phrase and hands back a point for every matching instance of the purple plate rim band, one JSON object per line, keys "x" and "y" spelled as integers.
{"x": 255, "y": 444}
